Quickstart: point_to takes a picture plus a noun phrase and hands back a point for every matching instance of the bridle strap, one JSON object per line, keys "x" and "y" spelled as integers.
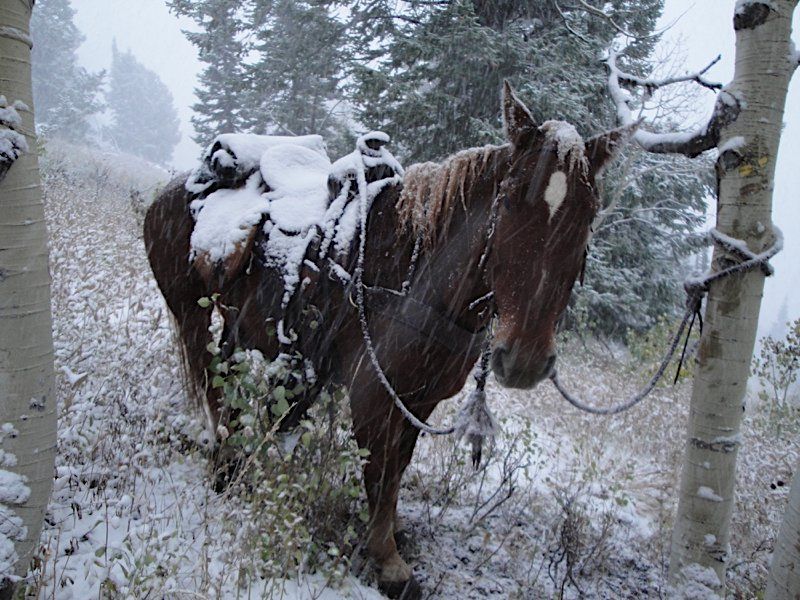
{"x": 423, "y": 319}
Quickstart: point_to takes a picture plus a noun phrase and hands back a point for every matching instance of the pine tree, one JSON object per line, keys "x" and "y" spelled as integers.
{"x": 293, "y": 86}
{"x": 65, "y": 93}
{"x": 145, "y": 121}
{"x": 274, "y": 66}
{"x": 430, "y": 78}
{"x": 220, "y": 105}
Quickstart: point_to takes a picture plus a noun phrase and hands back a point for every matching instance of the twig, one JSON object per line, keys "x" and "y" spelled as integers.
{"x": 726, "y": 111}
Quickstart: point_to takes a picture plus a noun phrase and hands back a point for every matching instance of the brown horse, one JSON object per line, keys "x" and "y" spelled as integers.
{"x": 508, "y": 223}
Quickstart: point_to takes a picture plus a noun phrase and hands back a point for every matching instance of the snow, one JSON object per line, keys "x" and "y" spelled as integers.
{"x": 733, "y": 144}
{"x": 224, "y": 218}
{"x": 12, "y": 143}
{"x": 706, "y": 493}
{"x": 72, "y": 377}
{"x": 247, "y": 149}
{"x": 567, "y": 141}
{"x": 699, "y": 583}
{"x": 243, "y": 152}
{"x": 294, "y": 173}
{"x": 13, "y": 491}
{"x": 296, "y": 202}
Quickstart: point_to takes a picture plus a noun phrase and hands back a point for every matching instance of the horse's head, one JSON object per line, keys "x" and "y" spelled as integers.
{"x": 546, "y": 204}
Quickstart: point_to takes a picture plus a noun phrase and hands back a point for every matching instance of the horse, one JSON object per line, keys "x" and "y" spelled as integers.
{"x": 494, "y": 233}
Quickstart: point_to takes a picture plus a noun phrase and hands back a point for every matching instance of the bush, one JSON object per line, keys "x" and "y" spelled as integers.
{"x": 302, "y": 489}
{"x": 777, "y": 368}
{"x": 647, "y": 350}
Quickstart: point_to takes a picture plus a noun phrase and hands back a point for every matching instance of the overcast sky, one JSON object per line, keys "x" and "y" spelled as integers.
{"x": 703, "y": 26}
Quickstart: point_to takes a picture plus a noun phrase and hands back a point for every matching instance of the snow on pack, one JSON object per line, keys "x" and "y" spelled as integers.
{"x": 287, "y": 189}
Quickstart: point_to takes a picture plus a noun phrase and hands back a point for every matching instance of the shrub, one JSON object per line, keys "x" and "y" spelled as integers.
{"x": 777, "y": 368}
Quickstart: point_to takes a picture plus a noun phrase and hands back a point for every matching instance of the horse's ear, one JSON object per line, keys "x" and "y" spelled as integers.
{"x": 600, "y": 149}
{"x": 517, "y": 118}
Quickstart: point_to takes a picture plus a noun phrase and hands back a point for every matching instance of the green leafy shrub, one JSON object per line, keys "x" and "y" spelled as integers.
{"x": 304, "y": 504}
{"x": 647, "y": 350}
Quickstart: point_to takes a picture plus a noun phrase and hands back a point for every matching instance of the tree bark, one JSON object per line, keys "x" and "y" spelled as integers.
{"x": 27, "y": 400}
{"x": 784, "y": 572}
{"x": 764, "y": 66}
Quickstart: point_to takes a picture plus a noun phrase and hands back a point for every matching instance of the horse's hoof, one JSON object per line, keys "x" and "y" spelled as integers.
{"x": 401, "y": 590}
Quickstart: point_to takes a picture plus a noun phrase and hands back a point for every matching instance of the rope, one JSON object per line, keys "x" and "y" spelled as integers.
{"x": 696, "y": 290}
{"x": 358, "y": 278}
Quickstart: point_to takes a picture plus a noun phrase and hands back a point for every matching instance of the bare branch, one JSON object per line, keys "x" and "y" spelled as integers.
{"x": 651, "y": 85}
{"x": 567, "y": 25}
{"x": 593, "y": 10}
{"x": 691, "y": 143}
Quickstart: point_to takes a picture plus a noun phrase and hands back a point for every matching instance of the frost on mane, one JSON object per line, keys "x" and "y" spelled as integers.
{"x": 288, "y": 187}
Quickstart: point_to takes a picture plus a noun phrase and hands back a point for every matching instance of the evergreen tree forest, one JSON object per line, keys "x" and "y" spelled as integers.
{"x": 65, "y": 93}
{"x": 145, "y": 121}
{"x": 69, "y": 99}
{"x": 429, "y": 74}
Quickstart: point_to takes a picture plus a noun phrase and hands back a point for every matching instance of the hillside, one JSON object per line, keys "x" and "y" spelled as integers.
{"x": 569, "y": 505}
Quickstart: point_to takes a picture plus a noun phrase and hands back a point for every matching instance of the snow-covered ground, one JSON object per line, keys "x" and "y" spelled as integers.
{"x": 569, "y": 505}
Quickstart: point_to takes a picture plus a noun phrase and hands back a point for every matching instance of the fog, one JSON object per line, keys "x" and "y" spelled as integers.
{"x": 703, "y": 28}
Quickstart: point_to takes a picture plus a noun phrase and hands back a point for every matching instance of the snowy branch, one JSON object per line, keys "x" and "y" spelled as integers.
{"x": 565, "y": 20}
{"x": 690, "y": 143}
{"x": 651, "y": 85}
{"x": 597, "y": 12}
{"x": 593, "y": 10}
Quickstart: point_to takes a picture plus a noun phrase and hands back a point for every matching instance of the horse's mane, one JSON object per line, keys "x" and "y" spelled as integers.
{"x": 431, "y": 190}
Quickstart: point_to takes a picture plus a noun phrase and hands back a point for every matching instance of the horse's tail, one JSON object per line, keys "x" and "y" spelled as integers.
{"x": 167, "y": 232}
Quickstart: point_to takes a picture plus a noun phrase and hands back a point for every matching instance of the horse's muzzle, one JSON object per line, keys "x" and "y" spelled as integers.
{"x": 512, "y": 370}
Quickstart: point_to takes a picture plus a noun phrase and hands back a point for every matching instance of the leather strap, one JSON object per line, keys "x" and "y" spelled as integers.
{"x": 423, "y": 319}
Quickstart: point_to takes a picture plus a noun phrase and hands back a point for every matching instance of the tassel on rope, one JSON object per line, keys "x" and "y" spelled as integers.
{"x": 475, "y": 422}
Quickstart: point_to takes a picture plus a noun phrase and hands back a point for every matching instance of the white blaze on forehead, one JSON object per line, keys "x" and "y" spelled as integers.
{"x": 556, "y": 191}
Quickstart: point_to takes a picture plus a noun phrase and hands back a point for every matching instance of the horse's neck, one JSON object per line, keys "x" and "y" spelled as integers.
{"x": 450, "y": 273}
{"x": 446, "y": 273}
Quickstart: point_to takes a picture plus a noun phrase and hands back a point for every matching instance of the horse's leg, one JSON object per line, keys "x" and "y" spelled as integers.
{"x": 378, "y": 428}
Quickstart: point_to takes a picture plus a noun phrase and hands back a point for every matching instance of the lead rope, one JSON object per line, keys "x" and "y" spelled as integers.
{"x": 696, "y": 289}
{"x": 358, "y": 278}
{"x": 474, "y": 420}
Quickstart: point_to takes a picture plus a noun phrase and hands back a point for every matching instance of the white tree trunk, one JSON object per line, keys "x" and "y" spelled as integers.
{"x": 27, "y": 401}
{"x": 784, "y": 572}
{"x": 765, "y": 62}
